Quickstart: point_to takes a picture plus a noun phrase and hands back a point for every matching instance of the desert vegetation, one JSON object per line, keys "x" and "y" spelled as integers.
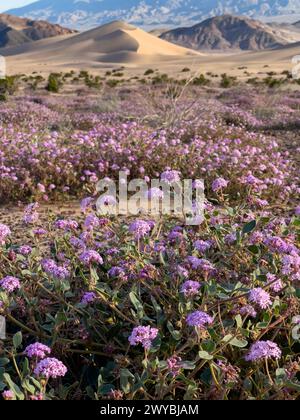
{"x": 126, "y": 308}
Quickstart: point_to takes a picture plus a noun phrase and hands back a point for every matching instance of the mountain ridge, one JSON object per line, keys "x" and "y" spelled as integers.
{"x": 15, "y": 31}
{"x": 229, "y": 32}
{"x": 85, "y": 14}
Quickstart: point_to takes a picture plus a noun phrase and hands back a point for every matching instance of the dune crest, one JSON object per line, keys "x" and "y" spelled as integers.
{"x": 116, "y": 42}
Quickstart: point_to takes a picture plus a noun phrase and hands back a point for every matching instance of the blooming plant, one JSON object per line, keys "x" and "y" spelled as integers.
{"x": 132, "y": 308}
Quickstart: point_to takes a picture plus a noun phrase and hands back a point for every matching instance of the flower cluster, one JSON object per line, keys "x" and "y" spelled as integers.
{"x": 260, "y": 297}
{"x": 263, "y": 350}
{"x": 54, "y": 270}
{"x": 10, "y": 284}
{"x": 50, "y": 368}
{"x": 4, "y": 233}
{"x": 37, "y": 350}
{"x": 144, "y": 336}
{"x": 90, "y": 257}
{"x": 199, "y": 319}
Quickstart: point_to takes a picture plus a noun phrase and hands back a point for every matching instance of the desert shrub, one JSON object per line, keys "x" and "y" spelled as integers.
{"x": 36, "y": 81}
{"x": 148, "y": 72}
{"x": 8, "y": 86}
{"x": 93, "y": 82}
{"x": 227, "y": 81}
{"x": 160, "y": 79}
{"x": 112, "y": 83}
{"x": 118, "y": 74}
{"x": 272, "y": 82}
{"x": 200, "y": 81}
{"x": 83, "y": 74}
{"x": 54, "y": 83}
{"x": 253, "y": 81}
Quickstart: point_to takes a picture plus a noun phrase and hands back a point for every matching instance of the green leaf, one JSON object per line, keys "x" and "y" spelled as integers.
{"x": 17, "y": 339}
{"x": 254, "y": 249}
{"x": 137, "y": 304}
{"x": 4, "y": 361}
{"x": 209, "y": 346}
{"x": 249, "y": 227}
{"x": 296, "y": 222}
{"x": 187, "y": 365}
{"x": 239, "y": 321}
{"x": 241, "y": 344}
{"x": 127, "y": 379}
{"x": 14, "y": 387}
{"x": 174, "y": 333}
{"x": 28, "y": 386}
{"x": 205, "y": 356}
{"x": 281, "y": 374}
{"x": 60, "y": 319}
{"x": 191, "y": 392}
{"x": 292, "y": 385}
{"x": 26, "y": 369}
{"x": 235, "y": 342}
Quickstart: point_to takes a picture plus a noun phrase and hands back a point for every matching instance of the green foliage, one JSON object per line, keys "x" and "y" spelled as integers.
{"x": 8, "y": 86}
{"x": 201, "y": 81}
{"x": 227, "y": 81}
{"x": 148, "y": 72}
{"x": 54, "y": 83}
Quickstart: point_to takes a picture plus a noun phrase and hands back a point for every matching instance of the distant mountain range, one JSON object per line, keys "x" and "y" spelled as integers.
{"x": 232, "y": 32}
{"x": 15, "y": 31}
{"x": 84, "y": 14}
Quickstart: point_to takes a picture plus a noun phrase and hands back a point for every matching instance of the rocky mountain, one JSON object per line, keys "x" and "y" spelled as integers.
{"x": 231, "y": 32}
{"x": 84, "y": 14}
{"x": 16, "y": 31}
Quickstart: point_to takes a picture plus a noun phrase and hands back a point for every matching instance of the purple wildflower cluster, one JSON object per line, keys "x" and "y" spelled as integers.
{"x": 4, "y": 233}
{"x": 140, "y": 228}
{"x": 291, "y": 266}
{"x": 170, "y": 176}
{"x": 8, "y": 395}
{"x": 190, "y": 288}
{"x": 260, "y": 297}
{"x": 144, "y": 336}
{"x": 199, "y": 319}
{"x": 54, "y": 270}
{"x": 67, "y": 225}
{"x": 90, "y": 257}
{"x": 37, "y": 350}
{"x": 50, "y": 368}
{"x": 10, "y": 284}
{"x": 174, "y": 365}
{"x": 219, "y": 184}
{"x": 88, "y": 297}
{"x": 202, "y": 246}
{"x": 31, "y": 214}
{"x": 263, "y": 350}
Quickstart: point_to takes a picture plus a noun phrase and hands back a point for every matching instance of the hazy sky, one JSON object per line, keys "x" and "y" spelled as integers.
{"x": 10, "y": 4}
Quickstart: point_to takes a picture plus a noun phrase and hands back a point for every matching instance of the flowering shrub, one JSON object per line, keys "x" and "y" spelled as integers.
{"x": 135, "y": 308}
{"x": 142, "y": 312}
{"x": 48, "y": 163}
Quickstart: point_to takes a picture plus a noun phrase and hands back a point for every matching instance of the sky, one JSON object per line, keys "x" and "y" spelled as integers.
{"x": 10, "y": 4}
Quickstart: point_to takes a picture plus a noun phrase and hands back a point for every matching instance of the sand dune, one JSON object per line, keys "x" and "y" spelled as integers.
{"x": 116, "y": 42}
{"x": 121, "y": 44}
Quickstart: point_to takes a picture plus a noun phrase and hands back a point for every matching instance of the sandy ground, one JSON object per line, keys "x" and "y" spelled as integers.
{"x": 12, "y": 215}
{"x": 119, "y": 44}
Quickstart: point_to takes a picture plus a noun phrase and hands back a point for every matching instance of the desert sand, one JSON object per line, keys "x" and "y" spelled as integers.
{"x": 120, "y": 44}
